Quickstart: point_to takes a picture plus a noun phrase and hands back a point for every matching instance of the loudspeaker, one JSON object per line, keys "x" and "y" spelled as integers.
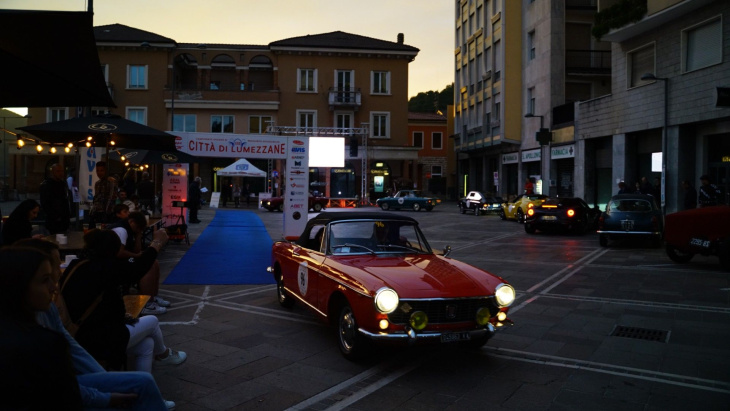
{"x": 353, "y": 146}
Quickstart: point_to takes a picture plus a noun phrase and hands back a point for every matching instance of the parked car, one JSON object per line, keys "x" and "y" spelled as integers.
{"x": 704, "y": 231}
{"x": 374, "y": 277}
{"x": 517, "y": 209}
{"x": 631, "y": 216}
{"x": 317, "y": 203}
{"x": 478, "y": 203}
{"x": 408, "y": 199}
{"x": 566, "y": 213}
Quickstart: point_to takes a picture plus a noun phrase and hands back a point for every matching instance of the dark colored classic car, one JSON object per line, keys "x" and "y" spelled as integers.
{"x": 316, "y": 203}
{"x": 478, "y": 203}
{"x": 631, "y": 216}
{"x": 374, "y": 278}
{"x": 704, "y": 231}
{"x": 408, "y": 199}
{"x": 517, "y": 208}
{"x": 566, "y": 213}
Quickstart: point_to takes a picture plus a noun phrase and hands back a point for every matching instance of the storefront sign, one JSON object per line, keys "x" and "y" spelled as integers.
{"x": 231, "y": 145}
{"x": 510, "y": 158}
{"x": 531, "y": 155}
{"x": 559, "y": 152}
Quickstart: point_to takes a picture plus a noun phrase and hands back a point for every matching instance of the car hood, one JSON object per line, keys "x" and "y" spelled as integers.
{"x": 419, "y": 276}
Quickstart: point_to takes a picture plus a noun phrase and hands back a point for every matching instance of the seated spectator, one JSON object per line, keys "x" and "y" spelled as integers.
{"x": 36, "y": 365}
{"x": 107, "y": 333}
{"x": 99, "y": 389}
{"x": 123, "y": 199}
{"x": 18, "y": 225}
{"x": 130, "y": 232}
{"x": 121, "y": 213}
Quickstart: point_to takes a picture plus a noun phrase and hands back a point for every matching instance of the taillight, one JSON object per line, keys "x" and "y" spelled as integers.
{"x": 571, "y": 212}
{"x": 530, "y": 205}
{"x": 531, "y": 212}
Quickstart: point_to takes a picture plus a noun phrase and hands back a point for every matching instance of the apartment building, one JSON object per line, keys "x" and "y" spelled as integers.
{"x": 331, "y": 84}
{"x": 666, "y": 107}
{"x": 518, "y": 58}
{"x": 429, "y": 133}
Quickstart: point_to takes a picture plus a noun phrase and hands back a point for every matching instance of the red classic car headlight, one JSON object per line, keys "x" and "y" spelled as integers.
{"x": 386, "y": 300}
{"x": 504, "y": 294}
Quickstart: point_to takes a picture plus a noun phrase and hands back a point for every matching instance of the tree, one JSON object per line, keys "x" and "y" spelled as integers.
{"x": 432, "y": 101}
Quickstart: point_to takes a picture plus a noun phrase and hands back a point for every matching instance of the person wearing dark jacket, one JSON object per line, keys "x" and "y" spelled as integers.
{"x": 18, "y": 225}
{"x": 194, "y": 200}
{"x": 55, "y": 201}
{"x": 690, "y": 195}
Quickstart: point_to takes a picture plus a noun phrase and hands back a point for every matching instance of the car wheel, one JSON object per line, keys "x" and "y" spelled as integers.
{"x": 285, "y": 300}
{"x": 476, "y": 210}
{"x": 529, "y": 228}
{"x": 416, "y": 207}
{"x": 385, "y": 206}
{"x": 678, "y": 256}
{"x": 724, "y": 251}
{"x": 520, "y": 216}
{"x": 603, "y": 240}
{"x": 352, "y": 345}
{"x": 462, "y": 210}
{"x": 317, "y": 207}
{"x": 280, "y": 208}
{"x": 501, "y": 214}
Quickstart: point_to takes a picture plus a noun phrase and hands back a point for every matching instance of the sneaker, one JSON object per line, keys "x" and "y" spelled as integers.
{"x": 173, "y": 357}
{"x": 152, "y": 308}
{"x": 161, "y": 302}
{"x": 170, "y": 405}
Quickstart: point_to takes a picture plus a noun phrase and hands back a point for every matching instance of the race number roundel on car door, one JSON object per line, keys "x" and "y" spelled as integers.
{"x": 302, "y": 278}
{"x": 400, "y": 200}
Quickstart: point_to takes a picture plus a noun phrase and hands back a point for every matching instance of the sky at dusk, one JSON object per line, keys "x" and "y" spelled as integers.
{"x": 427, "y": 25}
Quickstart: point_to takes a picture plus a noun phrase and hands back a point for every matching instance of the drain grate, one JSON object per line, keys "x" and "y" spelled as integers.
{"x": 645, "y": 334}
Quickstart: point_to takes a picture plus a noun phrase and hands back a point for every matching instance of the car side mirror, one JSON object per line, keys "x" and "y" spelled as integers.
{"x": 447, "y": 251}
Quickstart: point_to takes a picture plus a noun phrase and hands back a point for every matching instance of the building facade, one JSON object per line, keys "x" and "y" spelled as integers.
{"x": 435, "y": 174}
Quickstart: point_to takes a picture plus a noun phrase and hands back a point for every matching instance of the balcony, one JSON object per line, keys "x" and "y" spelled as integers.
{"x": 563, "y": 115}
{"x": 231, "y": 98}
{"x": 582, "y": 62}
{"x": 341, "y": 98}
{"x": 586, "y": 5}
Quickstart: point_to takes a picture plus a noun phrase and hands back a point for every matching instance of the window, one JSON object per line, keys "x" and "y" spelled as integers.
{"x": 437, "y": 141}
{"x": 436, "y": 171}
{"x": 221, "y": 124}
{"x": 343, "y": 121}
{"x": 380, "y": 82}
{"x": 531, "y": 45}
{"x": 307, "y": 80}
{"x": 258, "y": 124}
{"x": 639, "y": 62}
{"x": 306, "y": 121}
{"x": 184, "y": 122}
{"x": 137, "y": 77}
{"x": 418, "y": 139}
{"x": 379, "y": 125}
{"x": 57, "y": 114}
{"x": 702, "y": 45}
{"x": 137, "y": 114}
{"x": 530, "y": 100}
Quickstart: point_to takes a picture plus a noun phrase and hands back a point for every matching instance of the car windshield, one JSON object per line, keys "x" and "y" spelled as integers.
{"x": 630, "y": 205}
{"x": 376, "y": 237}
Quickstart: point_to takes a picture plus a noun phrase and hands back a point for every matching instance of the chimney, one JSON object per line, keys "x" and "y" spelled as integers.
{"x": 400, "y": 38}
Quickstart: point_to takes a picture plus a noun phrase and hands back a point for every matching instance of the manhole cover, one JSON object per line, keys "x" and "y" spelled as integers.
{"x": 645, "y": 334}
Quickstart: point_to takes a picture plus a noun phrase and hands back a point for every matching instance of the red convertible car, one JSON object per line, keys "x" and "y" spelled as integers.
{"x": 704, "y": 231}
{"x": 374, "y": 278}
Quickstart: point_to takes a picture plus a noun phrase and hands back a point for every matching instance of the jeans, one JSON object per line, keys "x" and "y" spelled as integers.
{"x": 145, "y": 341}
{"x": 140, "y": 383}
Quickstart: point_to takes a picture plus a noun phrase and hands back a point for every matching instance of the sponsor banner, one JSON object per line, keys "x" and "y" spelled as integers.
{"x": 295, "y": 186}
{"x": 531, "y": 155}
{"x": 559, "y": 152}
{"x": 89, "y": 156}
{"x": 510, "y": 158}
{"x": 231, "y": 145}
{"x": 174, "y": 188}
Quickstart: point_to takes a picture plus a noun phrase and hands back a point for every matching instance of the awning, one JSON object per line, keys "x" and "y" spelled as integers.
{"x": 49, "y": 58}
{"x": 241, "y": 168}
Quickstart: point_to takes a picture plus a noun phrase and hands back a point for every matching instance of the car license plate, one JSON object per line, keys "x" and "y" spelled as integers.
{"x": 698, "y": 242}
{"x": 549, "y": 218}
{"x": 452, "y": 337}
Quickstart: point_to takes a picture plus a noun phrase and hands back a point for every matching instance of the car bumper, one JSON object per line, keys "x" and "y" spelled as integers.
{"x": 410, "y": 336}
{"x": 617, "y": 232}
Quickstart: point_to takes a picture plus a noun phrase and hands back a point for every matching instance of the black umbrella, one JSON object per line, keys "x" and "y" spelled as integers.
{"x": 140, "y": 157}
{"x": 106, "y": 130}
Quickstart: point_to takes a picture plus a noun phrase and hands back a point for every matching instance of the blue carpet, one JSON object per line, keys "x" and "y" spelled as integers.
{"x": 235, "y": 248}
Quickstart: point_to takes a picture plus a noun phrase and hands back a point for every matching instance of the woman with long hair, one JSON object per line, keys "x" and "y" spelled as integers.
{"x": 19, "y": 224}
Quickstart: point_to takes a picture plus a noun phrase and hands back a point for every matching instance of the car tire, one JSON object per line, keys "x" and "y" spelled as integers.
{"x": 476, "y": 211}
{"x": 352, "y": 345}
{"x": 285, "y": 300}
{"x": 724, "y": 254}
{"x": 461, "y": 208}
{"x": 416, "y": 207}
{"x": 603, "y": 240}
{"x": 280, "y": 208}
{"x": 678, "y": 256}
{"x": 384, "y": 206}
{"x": 529, "y": 228}
{"x": 502, "y": 216}
{"x": 317, "y": 207}
{"x": 520, "y": 216}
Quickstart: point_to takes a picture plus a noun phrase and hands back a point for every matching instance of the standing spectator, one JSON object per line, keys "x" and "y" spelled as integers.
{"x": 622, "y": 189}
{"x": 246, "y": 192}
{"x": 529, "y": 187}
{"x": 55, "y": 201}
{"x": 225, "y": 192}
{"x": 709, "y": 193}
{"x": 19, "y": 224}
{"x": 646, "y": 187}
{"x": 657, "y": 190}
{"x": 637, "y": 187}
{"x": 105, "y": 197}
{"x": 146, "y": 193}
{"x": 128, "y": 182}
{"x": 236, "y": 195}
{"x": 690, "y": 195}
{"x": 194, "y": 200}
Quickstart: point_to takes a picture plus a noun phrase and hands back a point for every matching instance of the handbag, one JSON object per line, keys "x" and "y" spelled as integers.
{"x": 68, "y": 324}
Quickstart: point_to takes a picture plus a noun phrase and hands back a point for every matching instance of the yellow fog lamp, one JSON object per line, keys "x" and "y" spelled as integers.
{"x": 419, "y": 320}
{"x": 504, "y": 294}
{"x": 386, "y": 300}
{"x": 483, "y": 316}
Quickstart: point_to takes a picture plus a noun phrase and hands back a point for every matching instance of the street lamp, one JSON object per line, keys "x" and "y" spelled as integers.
{"x": 652, "y": 77}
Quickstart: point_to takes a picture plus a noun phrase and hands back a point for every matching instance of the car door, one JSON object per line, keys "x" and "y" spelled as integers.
{"x": 305, "y": 266}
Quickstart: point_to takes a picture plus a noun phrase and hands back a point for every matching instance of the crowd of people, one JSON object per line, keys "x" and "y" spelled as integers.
{"x": 709, "y": 194}
{"x": 67, "y": 339}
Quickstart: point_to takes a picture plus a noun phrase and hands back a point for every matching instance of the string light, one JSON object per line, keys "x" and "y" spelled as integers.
{"x": 88, "y": 144}
{"x": 21, "y": 143}
{"x": 123, "y": 158}
{"x": 70, "y": 145}
{"x": 67, "y": 149}
{"x": 39, "y": 148}
{"x": 53, "y": 150}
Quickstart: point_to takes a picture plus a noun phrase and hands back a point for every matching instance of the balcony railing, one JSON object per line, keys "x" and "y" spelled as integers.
{"x": 581, "y": 5}
{"x": 588, "y": 61}
{"x": 563, "y": 114}
{"x": 345, "y": 98}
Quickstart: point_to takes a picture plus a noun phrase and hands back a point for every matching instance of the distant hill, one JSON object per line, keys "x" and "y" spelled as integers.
{"x": 432, "y": 101}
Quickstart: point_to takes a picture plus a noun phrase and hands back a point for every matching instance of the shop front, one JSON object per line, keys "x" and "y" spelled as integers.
{"x": 531, "y": 168}
{"x": 562, "y": 169}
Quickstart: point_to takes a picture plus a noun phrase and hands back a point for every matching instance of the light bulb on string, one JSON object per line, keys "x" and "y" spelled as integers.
{"x": 53, "y": 150}
{"x": 67, "y": 149}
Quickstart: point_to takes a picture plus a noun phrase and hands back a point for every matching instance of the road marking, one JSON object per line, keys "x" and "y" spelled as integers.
{"x": 689, "y": 307}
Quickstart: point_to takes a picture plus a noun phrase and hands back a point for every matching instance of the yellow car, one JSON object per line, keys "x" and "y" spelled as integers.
{"x": 517, "y": 208}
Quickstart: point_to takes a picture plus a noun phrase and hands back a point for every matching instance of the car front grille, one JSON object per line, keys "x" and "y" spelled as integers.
{"x": 443, "y": 311}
